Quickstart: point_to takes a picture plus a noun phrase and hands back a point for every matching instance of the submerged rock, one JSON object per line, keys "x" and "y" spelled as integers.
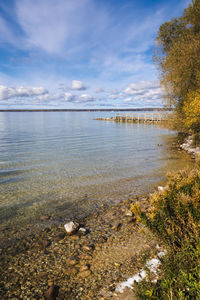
{"x": 41, "y": 244}
{"x": 52, "y": 293}
{"x": 85, "y": 274}
{"x": 72, "y": 261}
{"x": 71, "y": 227}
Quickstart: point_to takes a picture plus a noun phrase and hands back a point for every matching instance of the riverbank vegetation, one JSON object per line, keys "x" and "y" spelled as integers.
{"x": 177, "y": 55}
{"x": 174, "y": 215}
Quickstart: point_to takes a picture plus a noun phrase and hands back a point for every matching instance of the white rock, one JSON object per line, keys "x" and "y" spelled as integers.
{"x": 71, "y": 227}
{"x": 160, "y": 188}
{"x": 82, "y": 230}
{"x": 129, "y": 213}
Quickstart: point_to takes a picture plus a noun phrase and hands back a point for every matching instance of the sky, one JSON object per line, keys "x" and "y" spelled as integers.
{"x": 81, "y": 53}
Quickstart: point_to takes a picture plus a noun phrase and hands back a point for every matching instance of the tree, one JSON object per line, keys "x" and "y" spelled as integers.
{"x": 177, "y": 54}
{"x": 191, "y": 110}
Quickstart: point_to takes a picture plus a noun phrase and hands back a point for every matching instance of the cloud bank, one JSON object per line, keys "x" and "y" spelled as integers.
{"x": 13, "y": 92}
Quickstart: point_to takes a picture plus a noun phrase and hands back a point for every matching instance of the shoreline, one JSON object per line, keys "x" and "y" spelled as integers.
{"x": 83, "y": 266}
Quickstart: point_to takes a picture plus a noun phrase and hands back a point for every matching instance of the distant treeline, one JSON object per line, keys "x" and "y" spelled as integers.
{"x": 82, "y": 110}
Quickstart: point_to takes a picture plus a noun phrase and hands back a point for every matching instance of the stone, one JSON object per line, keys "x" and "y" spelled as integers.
{"x": 42, "y": 275}
{"x": 82, "y": 231}
{"x": 85, "y": 256}
{"x": 85, "y": 274}
{"x": 88, "y": 247}
{"x": 84, "y": 268}
{"x": 129, "y": 213}
{"x": 103, "y": 239}
{"x": 44, "y": 218}
{"x": 52, "y": 293}
{"x": 73, "y": 271}
{"x": 160, "y": 188}
{"x": 50, "y": 282}
{"x": 117, "y": 226}
{"x": 41, "y": 244}
{"x": 71, "y": 227}
{"x": 60, "y": 237}
{"x": 72, "y": 261}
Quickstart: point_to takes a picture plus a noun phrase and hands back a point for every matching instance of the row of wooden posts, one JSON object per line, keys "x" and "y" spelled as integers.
{"x": 141, "y": 118}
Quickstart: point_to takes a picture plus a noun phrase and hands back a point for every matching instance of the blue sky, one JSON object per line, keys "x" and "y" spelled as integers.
{"x": 81, "y": 53}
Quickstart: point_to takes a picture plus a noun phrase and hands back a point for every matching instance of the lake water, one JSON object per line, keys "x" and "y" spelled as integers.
{"x": 65, "y": 164}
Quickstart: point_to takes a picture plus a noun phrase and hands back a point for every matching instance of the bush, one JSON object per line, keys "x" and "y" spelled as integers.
{"x": 175, "y": 217}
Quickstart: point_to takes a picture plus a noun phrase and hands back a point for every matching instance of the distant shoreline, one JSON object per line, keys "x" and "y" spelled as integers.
{"x": 85, "y": 110}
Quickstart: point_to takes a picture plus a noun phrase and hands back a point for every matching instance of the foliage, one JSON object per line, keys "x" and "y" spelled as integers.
{"x": 177, "y": 54}
{"x": 191, "y": 110}
{"x": 175, "y": 217}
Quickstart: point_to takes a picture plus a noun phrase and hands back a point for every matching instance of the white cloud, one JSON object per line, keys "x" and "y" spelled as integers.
{"x": 86, "y": 98}
{"x": 135, "y": 88}
{"x": 146, "y": 91}
{"x": 48, "y": 24}
{"x": 129, "y": 99}
{"x": 12, "y": 92}
{"x": 45, "y": 98}
{"x": 77, "y": 85}
{"x": 69, "y": 97}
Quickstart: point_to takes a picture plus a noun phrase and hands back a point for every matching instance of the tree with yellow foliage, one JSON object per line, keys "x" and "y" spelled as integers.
{"x": 177, "y": 54}
{"x": 191, "y": 110}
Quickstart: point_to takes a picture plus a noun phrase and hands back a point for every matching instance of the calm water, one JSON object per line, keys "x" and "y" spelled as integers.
{"x": 65, "y": 163}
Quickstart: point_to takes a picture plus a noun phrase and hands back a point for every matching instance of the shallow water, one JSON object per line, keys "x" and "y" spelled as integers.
{"x": 66, "y": 164}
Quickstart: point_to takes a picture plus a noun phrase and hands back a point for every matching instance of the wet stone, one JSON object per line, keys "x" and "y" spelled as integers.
{"x": 52, "y": 293}
{"x": 84, "y": 268}
{"x": 41, "y": 244}
{"x": 85, "y": 274}
{"x": 44, "y": 218}
{"x": 60, "y": 236}
{"x": 72, "y": 261}
{"x": 117, "y": 226}
{"x": 71, "y": 227}
{"x": 88, "y": 247}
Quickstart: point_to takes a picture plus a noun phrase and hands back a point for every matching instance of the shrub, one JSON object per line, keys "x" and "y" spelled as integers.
{"x": 174, "y": 216}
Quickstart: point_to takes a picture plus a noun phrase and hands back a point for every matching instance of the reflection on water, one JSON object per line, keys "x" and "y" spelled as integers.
{"x": 65, "y": 163}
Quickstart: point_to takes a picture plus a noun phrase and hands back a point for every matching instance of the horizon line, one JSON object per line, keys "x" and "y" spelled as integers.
{"x": 84, "y": 109}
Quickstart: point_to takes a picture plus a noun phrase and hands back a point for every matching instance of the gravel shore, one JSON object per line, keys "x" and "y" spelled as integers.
{"x": 86, "y": 265}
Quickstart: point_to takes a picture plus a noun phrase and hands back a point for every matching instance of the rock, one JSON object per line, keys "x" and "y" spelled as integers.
{"x": 71, "y": 227}
{"x": 161, "y": 188}
{"x": 50, "y": 282}
{"x": 129, "y": 213}
{"x": 52, "y": 293}
{"x": 85, "y": 274}
{"x": 72, "y": 261}
{"x": 44, "y": 218}
{"x": 82, "y": 231}
{"x": 74, "y": 271}
{"x": 88, "y": 247}
{"x": 84, "y": 256}
{"x": 103, "y": 239}
{"x": 60, "y": 236}
{"x": 84, "y": 268}
{"x": 42, "y": 275}
{"x": 41, "y": 244}
{"x": 117, "y": 264}
{"x": 117, "y": 226}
